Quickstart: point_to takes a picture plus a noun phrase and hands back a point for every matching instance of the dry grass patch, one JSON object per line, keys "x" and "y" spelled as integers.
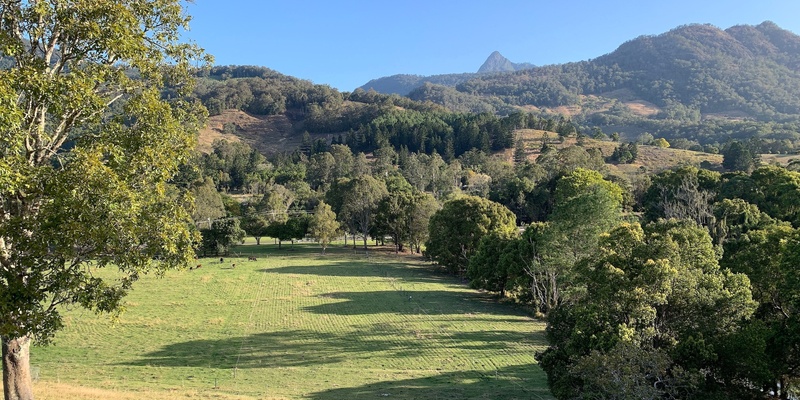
{"x": 63, "y": 391}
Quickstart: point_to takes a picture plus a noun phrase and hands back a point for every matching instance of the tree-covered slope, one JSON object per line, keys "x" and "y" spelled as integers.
{"x": 404, "y": 84}
{"x": 742, "y": 72}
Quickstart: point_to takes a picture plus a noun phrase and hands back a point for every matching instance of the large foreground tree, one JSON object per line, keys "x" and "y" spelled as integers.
{"x": 87, "y": 147}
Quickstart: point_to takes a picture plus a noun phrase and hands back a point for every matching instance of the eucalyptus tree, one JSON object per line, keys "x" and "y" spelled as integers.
{"x": 323, "y": 225}
{"x": 360, "y": 203}
{"x": 87, "y": 146}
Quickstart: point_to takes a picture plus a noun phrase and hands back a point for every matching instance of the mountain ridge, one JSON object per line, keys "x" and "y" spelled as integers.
{"x": 496, "y": 62}
{"x": 689, "y": 72}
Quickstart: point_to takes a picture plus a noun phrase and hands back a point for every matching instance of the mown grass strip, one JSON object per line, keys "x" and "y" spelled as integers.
{"x": 295, "y": 324}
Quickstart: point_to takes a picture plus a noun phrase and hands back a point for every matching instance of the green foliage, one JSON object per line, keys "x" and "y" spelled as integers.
{"x": 292, "y": 227}
{"x": 255, "y": 225}
{"x": 777, "y": 193}
{"x": 361, "y": 197}
{"x": 457, "y": 228}
{"x": 486, "y": 269}
{"x": 737, "y": 156}
{"x": 323, "y": 225}
{"x": 624, "y": 154}
{"x": 276, "y": 203}
{"x": 422, "y": 209}
{"x": 223, "y": 234}
{"x": 683, "y": 193}
{"x": 207, "y": 202}
{"x": 229, "y": 128}
{"x": 656, "y": 296}
{"x": 769, "y": 257}
{"x": 235, "y": 166}
{"x": 87, "y": 149}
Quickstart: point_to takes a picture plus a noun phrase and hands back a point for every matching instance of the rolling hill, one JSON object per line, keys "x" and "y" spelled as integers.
{"x": 691, "y": 72}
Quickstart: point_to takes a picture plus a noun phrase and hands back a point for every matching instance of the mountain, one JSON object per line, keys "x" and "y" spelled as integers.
{"x": 403, "y": 84}
{"x": 691, "y": 72}
{"x": 497, "y": 63}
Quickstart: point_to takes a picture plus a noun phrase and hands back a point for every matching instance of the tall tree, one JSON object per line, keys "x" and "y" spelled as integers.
{"x": 486, "y": 268}
{"x": 423, "y": 208}
{"x": 276, "y": 203}
{"x": 219, "y": 238}
{"x": 361, "y": 201}
{"x": 738, "y": 156}
{"x": 684, "y": 193}
{"x": 770, "y": 257}
{"x": 458, "y": 227}
{"x": 207, "y": 202}
{"x": 103, "y": 200}
{"x": 323, "y": 226}
{"x": 255, "y": 225}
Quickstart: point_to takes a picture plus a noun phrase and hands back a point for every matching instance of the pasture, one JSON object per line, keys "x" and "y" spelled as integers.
{"x": 298, "y": 325}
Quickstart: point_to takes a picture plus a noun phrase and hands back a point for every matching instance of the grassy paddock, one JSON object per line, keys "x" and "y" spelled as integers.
{"x": 294, "y": 324}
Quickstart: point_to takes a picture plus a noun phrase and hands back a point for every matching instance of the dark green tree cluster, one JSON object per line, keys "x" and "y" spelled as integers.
{"x": 445, "y": 133}
{"x": 220, "y": 236}
{"x": 651, "y": 317}
{"x": 235, "y": 167}
{"x": 260, "y": 91}
{"x": 624, "y": 154}
{"x": 658, "y": 308}
{"x": 738, "y": 156}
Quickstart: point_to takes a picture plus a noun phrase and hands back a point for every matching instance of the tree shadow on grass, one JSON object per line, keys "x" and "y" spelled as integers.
{"x": 268, "y": 248}
{"x": 298, "y": 348}
{"x": 403, "y": 301}
{"x": 513, "y": 382}
{"x": 363, "y": 268}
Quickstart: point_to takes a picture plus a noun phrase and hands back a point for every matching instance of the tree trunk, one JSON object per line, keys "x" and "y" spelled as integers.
{"x": 17, "y": 384}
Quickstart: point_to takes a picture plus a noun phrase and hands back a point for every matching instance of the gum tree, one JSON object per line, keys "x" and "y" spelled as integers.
{"x": 87, "y": 146}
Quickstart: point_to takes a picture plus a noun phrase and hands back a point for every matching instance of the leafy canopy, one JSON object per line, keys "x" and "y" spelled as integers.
{"x": 87, "y": 146}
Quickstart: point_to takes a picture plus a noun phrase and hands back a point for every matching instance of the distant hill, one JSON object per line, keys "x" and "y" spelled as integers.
{"x": 404, "y": 84}
{"x": 497, "y": 63}
{"x": 697, "y": 86}
{"x": 742, "y": 72}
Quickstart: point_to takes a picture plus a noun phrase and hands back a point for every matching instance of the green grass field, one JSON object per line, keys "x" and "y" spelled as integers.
{"x": 295, "y": 324}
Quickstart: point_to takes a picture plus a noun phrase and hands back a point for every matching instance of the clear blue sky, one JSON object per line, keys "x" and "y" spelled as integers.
{"x": 346, "y": 43}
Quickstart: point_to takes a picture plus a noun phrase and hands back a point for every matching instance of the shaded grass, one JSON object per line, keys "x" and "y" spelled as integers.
{"x": 295, "y": 324}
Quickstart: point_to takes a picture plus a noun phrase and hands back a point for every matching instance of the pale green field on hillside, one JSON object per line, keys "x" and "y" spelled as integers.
{"x": 295, "y": 324}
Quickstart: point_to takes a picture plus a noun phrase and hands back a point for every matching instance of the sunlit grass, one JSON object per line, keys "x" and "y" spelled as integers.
{"x": 295, "y": 324}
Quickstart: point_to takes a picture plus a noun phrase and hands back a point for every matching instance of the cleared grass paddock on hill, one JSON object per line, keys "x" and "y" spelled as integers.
{"x": 295, "y": 324}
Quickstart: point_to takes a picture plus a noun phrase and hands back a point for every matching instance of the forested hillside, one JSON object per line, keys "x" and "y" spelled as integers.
{"x": 696, "y": 82}
{"x": 365, "y": 121}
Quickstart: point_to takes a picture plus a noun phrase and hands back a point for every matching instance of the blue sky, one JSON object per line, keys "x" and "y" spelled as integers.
{"x": 346, "y": 43}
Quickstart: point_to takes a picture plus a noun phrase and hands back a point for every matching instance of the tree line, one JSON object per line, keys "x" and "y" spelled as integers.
{"x": 696, "y": 297}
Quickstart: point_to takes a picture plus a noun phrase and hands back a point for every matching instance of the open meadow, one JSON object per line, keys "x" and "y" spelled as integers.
{"x": 295, "y": 324}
